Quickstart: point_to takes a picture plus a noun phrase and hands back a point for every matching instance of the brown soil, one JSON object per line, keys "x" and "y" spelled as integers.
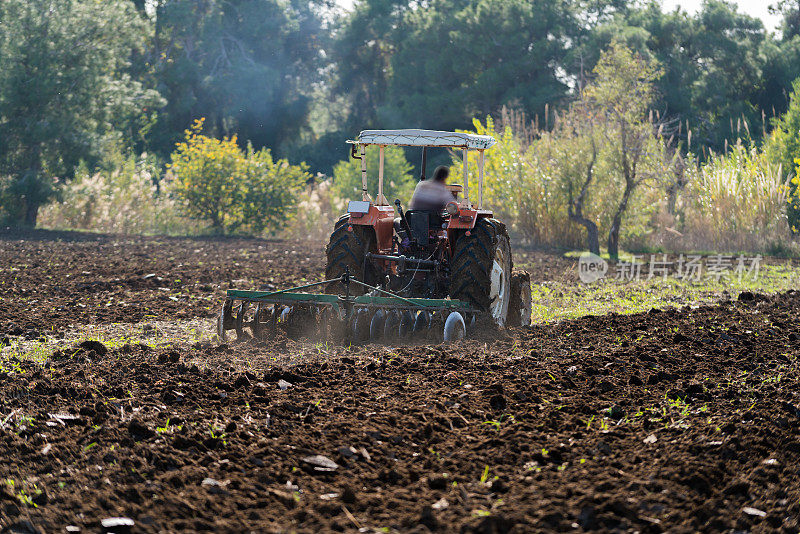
{"x": 677, "y": 421}
{"x": 51, "y": 280}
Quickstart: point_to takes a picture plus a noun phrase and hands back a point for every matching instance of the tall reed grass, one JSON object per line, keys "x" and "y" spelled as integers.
{"x": 120, "y": 197}
{"x": 737, "y": 202}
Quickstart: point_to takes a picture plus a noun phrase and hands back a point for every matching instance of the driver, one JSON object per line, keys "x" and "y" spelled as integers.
{"x": 432, "y": 194}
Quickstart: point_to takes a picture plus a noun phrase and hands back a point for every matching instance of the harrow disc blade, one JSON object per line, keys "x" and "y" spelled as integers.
{"x": 332, "y": 326}
{"x": 422, "y": 322}
{"x": 225, "y": 319}
{"x": 406, "y": 324}
{"x": 259, "y": 328}
{"x": 376, "y": 326}
{"x": 436, "y": 329}
{"x": 325, "y": 322}
{"x": 240, "y": 322}
{"x": 391, "y": 326}
{"x": 454, "y": 327}
{"x": 360, "y": 327}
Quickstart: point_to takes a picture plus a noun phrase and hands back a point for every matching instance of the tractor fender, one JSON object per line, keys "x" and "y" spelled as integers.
{"x": 381, "y": 219}
{"x": 465, "y": 220}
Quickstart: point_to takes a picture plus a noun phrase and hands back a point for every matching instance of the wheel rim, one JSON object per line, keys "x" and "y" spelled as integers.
{"x": 498, "y": 277}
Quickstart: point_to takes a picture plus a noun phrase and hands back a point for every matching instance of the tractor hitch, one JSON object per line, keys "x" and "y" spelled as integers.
{"x": 402, "y": 261}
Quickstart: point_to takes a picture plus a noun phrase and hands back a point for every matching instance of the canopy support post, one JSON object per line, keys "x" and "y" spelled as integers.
{"x": 481, "y": 164}
{"x": 465, "y": 156}
{"x": 364, "y": 190}
{"x": 381, "y": 200}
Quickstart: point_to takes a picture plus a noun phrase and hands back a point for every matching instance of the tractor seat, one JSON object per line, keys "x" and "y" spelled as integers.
{"x": 421, "y": 222}
{"x": 455, "y": 189}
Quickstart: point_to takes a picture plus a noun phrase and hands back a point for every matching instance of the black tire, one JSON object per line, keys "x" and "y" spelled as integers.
{"x": 471, "y": 268}
{"x": 347, "y": 249}
{"x": 519, "y": 307}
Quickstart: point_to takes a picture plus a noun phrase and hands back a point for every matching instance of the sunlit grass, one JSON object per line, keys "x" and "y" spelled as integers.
{"x": 558, "y": 300}
{"x": 154, "y": 334}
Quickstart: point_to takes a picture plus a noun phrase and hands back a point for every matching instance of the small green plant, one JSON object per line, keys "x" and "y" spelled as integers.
{"x": 163, "y": 429}
{"x": 485, "y": 475}
{"x": 497, "y": 423}
{"x": 26, "y": 499}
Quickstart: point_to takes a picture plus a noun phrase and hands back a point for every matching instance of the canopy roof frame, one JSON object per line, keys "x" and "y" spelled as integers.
{"x": 423, "y": 138}
{"x": 428, "y": 138}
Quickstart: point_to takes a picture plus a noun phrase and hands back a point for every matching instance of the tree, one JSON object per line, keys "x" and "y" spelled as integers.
{"x": 622, "y": 92}
{"x": 790, "y": 10}
{"x": 248, "y": 66}
{"x": 362, "y": 51}
{"x": 578, "y": 126}
{"x": 459, "y": 59}
{"x": 713, "y": 66}
{"x": 63, "y": 91}
{"x": 231, "y": 189}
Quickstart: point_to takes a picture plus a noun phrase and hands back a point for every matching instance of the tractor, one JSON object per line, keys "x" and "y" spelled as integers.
{"x": 392, "y": 272}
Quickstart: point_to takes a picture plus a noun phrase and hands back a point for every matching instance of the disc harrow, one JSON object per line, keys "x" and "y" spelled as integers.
{"x": 378, "y": 316}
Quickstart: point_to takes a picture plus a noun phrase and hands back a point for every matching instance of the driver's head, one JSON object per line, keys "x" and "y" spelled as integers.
{"x": 441, "y": 173}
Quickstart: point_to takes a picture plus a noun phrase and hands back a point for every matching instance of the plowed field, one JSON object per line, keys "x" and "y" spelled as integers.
{"x": 681, "y": 420}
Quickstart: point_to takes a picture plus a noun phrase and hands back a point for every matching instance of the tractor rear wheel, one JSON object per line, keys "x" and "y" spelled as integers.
{"x": 480, "y": 271}
{"x": 519, "y": 308}
{"x": 347, "y": 248}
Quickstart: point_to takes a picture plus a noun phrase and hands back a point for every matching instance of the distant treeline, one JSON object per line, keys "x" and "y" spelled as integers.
{"x": 80, "y": 78}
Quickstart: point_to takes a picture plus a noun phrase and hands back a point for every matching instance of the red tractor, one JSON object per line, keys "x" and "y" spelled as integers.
{"x": 461, "y": 253}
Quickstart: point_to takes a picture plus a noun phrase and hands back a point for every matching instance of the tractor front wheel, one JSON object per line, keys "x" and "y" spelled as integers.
{"x": 481, "y": 269}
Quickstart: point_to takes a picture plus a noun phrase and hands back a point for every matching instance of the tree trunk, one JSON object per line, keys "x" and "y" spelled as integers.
{"x": 139, "y": 4}
{"x": 575, "y": 208}
{"x": 616, "y": 223}
{"x": 592, "y": 236}
{"x": 31, "y": 213}
{"x": 629, "y": 173}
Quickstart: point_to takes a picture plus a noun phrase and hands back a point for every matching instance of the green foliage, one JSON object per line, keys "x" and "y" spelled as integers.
{"x": 398, "y": 181}
{"x": 783, "y": 148}
{"x": 619, "y": 97}
{"x": 455, "y": 60}
{"x": 77, "y": 83}
{"x": 532, "y": 176}
{"x": 247, "y": 65}
{"x": 232, "y": 190}
{"x": 519, "y": 184}
{"x": 623, "y": 85}
{"x": 64, "y": 91}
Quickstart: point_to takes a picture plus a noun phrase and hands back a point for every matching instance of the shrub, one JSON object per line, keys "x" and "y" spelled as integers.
{"x": 783, "y": 147}
{"x": 318, "y": 213}
{"x": 233, "y": 191}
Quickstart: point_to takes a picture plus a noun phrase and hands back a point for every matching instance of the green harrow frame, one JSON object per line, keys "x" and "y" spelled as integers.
{"x": 345, "y": 318}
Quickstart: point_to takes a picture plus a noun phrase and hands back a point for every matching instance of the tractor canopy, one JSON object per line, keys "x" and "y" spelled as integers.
{"x": 426, "y": 138}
